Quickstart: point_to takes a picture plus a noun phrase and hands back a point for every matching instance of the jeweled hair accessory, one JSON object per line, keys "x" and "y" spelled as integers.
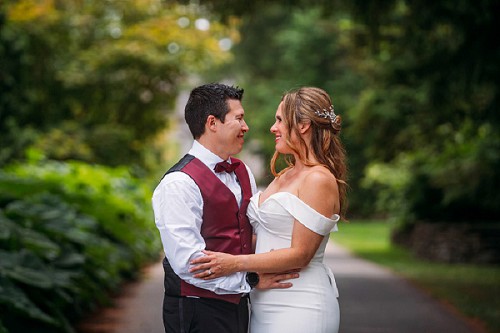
{"x": 327, "y": 114}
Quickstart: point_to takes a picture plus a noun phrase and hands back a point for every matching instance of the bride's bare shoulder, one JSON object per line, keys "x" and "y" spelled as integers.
{"x": 319, "y": 176}
{"x": 319, "y": 189}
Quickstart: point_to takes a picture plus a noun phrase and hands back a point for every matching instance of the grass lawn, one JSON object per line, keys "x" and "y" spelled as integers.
{"x": 472, "y": 289}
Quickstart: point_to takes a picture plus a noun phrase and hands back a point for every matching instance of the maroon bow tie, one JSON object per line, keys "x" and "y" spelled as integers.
{"x": 224, "y": 166}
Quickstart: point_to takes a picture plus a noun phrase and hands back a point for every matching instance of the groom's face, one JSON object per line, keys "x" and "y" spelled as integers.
{"x": 231, "y": 132}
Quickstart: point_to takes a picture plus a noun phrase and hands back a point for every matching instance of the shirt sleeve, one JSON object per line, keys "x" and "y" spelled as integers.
{"x": 178, "y": 207}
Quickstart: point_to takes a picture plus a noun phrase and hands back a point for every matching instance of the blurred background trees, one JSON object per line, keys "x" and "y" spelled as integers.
{"x": 97, "y": 81}
{"x": 93, "y": 80}
{"x": 417, "y": 86}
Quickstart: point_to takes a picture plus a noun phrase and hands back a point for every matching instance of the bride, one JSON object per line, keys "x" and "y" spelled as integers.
{"x": 292, "y": 219}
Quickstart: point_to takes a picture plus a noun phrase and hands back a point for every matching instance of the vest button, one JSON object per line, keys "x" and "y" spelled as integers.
{"x": 244, "y": 246}
{"x": 242, "y": 230}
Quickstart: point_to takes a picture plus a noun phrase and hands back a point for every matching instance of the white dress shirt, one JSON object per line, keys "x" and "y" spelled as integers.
{"x": 178, "y": 210}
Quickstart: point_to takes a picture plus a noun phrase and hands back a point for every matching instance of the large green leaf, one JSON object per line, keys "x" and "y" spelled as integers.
{"x": 70, "y": 259}
{"x": 14, "y": 297}
{"x": 6, "y": 227}
{"x": 40, "y": 244}
{"x": 26, "y": 268}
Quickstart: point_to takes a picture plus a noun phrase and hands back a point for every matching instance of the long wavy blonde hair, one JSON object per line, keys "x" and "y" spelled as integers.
{"x": 308, "y": 105}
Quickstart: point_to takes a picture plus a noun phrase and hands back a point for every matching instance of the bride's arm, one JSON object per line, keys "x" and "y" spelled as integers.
{"x": 216, "y": 264}
{"x": 319, "y": 195}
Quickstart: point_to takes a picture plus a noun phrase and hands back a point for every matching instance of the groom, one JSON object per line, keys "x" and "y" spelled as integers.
{"x": 200, "y": 204}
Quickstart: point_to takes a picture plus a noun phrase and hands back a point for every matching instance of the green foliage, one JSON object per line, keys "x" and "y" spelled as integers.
{"x": 457, "y": 184}
{"x": 95, "y": 80}
{"x": 309, "y": 47}
{"x": 416, "y": 85}
{"x": 431, "y": 111}
{"x": 70, "y": 233}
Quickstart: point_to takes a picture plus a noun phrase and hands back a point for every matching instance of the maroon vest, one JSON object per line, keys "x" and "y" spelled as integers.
{"x": 225, "y": 226}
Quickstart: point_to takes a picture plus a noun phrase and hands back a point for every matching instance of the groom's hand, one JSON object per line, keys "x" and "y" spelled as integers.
{"x": 275, "y": 280}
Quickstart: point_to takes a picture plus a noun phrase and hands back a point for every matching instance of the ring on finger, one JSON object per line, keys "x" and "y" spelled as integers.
{"x": 210, "y": 272}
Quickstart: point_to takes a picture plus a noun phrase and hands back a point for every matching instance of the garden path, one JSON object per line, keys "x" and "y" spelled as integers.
{"x": 372, "y": 300}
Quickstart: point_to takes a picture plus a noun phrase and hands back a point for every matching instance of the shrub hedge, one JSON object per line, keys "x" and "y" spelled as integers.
{"x": 70, "y": 233}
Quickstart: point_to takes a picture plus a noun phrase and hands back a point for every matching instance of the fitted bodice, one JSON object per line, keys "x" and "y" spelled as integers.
{"x": 273, "y": 221}
{"x": 310, "y": 305}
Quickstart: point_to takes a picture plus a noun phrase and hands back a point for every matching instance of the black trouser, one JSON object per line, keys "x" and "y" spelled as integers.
{"x": 204, "y": 315}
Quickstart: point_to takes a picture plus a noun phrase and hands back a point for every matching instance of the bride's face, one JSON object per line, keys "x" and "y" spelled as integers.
{"x": 280, "y": 132}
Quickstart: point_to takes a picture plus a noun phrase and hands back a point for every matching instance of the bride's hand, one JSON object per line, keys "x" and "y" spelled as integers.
{"x": 213, "y": 265}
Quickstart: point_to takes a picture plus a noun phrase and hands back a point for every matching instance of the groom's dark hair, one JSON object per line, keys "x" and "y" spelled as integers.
{"x": 208, "y": 99}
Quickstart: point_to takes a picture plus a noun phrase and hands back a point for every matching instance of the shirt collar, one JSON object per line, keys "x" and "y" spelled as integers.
{"x": 204, "y": 155}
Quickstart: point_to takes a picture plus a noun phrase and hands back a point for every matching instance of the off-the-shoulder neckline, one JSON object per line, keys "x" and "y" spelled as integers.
{"x": 259, "y": 204}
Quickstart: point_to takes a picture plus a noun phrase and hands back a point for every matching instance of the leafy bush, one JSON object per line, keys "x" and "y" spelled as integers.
{"x": 459, "y": 183}
{"x": 69, "y": 234}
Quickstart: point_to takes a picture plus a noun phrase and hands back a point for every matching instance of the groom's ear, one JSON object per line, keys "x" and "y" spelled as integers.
{"x": 211, "y": 123}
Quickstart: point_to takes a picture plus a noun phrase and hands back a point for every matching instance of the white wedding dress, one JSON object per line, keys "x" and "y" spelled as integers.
{"x": 311, "y": 305}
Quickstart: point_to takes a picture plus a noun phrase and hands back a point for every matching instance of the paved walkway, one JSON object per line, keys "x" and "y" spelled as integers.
{"x": 372, "y": 300}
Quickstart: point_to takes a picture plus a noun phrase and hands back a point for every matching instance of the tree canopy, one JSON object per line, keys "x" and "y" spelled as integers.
{"x": 416, "y": 84}
{"x": 95, "y": 80}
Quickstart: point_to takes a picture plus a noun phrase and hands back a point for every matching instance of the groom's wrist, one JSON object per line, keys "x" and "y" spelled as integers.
{"x": 252, "y": 279}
